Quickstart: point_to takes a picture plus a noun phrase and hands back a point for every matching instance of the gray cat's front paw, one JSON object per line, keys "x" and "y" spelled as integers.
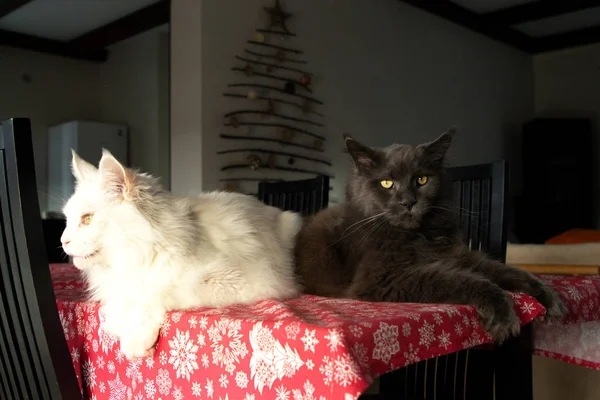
{"x": 499, "y": 319}
{"x": 555, "y": 307}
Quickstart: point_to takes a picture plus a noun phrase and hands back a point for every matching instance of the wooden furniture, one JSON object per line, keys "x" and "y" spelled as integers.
{"x": 504, "y": 372}
{"x": 34, "y": 359}
{"x": 307, "y": 196}
{"x": 552, "y": 269}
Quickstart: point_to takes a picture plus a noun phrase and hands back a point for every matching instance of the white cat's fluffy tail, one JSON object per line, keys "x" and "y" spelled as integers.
{"x": 289, "y": 224}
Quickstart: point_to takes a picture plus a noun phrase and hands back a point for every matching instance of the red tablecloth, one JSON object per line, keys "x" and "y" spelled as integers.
{"x": 307, "y": 348}
{"x": 575, "y": 340}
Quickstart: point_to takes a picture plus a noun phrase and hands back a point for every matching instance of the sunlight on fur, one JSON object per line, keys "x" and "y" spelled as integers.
{"x": 144, "y": 251}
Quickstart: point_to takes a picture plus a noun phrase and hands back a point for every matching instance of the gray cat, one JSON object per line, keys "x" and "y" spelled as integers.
{"x": 396, "y": 239}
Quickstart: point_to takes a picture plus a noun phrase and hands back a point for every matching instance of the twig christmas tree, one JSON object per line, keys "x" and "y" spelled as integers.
{"x": 278, "y": 117}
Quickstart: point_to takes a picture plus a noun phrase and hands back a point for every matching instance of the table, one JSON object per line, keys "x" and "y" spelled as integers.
{"x": 306, "y": 348}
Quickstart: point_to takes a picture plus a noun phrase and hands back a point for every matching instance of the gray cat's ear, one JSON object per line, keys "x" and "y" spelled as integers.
{"x": 436, "y": 150}
{"x": 116, "y": 180}
{"x": 80, "y": 168}
{"x": 363, "y": 156}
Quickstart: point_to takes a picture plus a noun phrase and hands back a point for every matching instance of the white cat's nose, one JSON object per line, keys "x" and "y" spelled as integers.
{"x": 64, "y": 240}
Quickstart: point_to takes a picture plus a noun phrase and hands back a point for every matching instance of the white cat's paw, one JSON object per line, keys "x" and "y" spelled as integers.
{"x": 139, "y": 342}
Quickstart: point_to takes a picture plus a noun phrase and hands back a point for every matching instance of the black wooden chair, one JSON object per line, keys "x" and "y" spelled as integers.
{"x": 505, "y": 372}
{"x": 307, "y": 196}
{"x": 34, "y": 358}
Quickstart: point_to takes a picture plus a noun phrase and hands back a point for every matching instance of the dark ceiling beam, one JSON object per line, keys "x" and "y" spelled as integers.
{"x": 54, "y": 47}
{"x": 559, "y": 41}
{"x": 140, "y": 21}
{"x": 536, "y": 10}
{"x": 469, "y": 19}
{"x": 8, "y": 6}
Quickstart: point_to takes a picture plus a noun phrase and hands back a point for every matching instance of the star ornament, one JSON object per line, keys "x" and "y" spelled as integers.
{"x": 277, "y": 16}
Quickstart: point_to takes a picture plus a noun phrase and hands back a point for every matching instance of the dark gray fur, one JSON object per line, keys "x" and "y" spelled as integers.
{"x": 403, "y": 244}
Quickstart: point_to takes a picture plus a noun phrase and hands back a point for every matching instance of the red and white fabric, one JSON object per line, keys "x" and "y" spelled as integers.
{"x": 307, "y": 348}
{"x": 575, "y": 340}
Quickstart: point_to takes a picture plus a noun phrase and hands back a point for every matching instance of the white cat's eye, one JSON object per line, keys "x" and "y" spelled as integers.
{"x": 386, "y": 184}
{"x": 86, "y": 219}
{"x": 422, "y": 180}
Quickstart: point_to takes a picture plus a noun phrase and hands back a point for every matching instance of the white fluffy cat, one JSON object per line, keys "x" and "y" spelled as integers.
{"x": 145, "y": 251}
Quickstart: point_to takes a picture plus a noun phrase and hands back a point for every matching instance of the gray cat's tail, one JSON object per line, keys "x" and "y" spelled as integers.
{"x": 289, "y": 224}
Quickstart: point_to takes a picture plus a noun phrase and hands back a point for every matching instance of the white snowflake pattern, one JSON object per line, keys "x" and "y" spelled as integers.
{"x": 118, "y": 390}
{"x": 292, "y": 330}
{"x": 411, "y": 356}
{"x": 164, "y": 330}
{"x": 270, "y": 360}
{"x": 386, "y": 342}
{"x": 223, "y": 381}
{"x": 227, "y": 344}
{"x": 309, "y": 364}
{"x": 201, "y": 339}
{"x": 241, "y": 379}
{"x": 277, "y": 324}
{"x": 183, "y": 354}
{"x": 308, "y": 394}
{"x": 205, "y": 360}
{"x": 282, "y": 393}
{"x": 89, "y": 374}
{"x": 150, "y": 389}
{"x": 203, "y": 323}
{"x": 249, "y": 396}
{"x": 444, "y": 339}
{"x": 164, "y": 382}
{"x": 335, "y": 338}
{"x": 102, "y": 387}
{"x": 406, "y": 328}
{"x": 426, "y": 336}
{"x": 527, "y": 308}
{"x": 355, "y": 330}
{"x": 149, "y": 362}
{"x": 111, "y": 367}
{"x": 196, "y": 389}
{"x": 458, "y": 329}
{"x": 100, "y": 363}
{"x": 177, "y": 393}
{"x": 193, "y": 322}
{"x": 162, "y": 357}
{"x": 326, "y": 370}
{"x": 310, "y": 340}
{"x": 438, "y": 319}
{"x": 209, "y": 388}
{"x": 346, "y": 371}
{"x": 133, "y": 372}
{"x": 176, "y": 316}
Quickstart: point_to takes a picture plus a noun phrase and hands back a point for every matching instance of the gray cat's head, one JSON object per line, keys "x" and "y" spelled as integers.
{"x": 400, "y": 181}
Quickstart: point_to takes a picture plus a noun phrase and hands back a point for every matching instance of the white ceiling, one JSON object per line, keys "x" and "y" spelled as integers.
{"x": 68, "y": 19}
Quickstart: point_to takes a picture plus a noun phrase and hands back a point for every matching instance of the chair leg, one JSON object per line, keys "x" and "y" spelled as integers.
{"x": 513, "y": 367}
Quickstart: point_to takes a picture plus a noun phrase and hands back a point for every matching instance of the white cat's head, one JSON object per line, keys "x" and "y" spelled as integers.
{"x": 103, "y": 214}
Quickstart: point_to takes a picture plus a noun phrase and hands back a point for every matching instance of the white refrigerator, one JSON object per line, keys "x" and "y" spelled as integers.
{"x": 88, "y": 139}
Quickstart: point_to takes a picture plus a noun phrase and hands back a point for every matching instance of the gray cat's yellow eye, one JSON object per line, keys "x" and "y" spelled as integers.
{"x": 386, "y": 184}
{"x": 422, "y": 180}
{"x": 86, "y": 219}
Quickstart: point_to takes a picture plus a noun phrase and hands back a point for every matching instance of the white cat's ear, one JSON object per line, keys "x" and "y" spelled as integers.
{"x": 116, "y": 180}
{"x": 80, "y": 168}
{"x": 363, "y": 156}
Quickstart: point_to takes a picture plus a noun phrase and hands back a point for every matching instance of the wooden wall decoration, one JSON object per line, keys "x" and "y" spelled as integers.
{"x": 278, "y": 125}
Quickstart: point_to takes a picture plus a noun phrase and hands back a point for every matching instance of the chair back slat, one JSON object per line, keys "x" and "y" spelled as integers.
{"x": 479, "y": 193}
{"x": 36, "y": 363}
{"x": 307, "y": 196}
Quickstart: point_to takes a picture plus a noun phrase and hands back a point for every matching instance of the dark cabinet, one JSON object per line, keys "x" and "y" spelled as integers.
{"x": 558, "y": 178}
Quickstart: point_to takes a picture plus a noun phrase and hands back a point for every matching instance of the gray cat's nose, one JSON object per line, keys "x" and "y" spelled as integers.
{"x": 408, "y": 204}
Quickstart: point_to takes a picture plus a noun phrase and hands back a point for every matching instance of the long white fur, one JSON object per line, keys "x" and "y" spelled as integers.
{"x": 146, "y": 252}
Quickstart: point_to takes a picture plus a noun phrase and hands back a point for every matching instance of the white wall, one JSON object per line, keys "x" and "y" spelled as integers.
{"x": 60, "y": 90}
{"x": 132, "y": 87}
{"x": 133, "y": 92}
{"x": 385, "y": 71}
{"x": 567, "y": 84}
